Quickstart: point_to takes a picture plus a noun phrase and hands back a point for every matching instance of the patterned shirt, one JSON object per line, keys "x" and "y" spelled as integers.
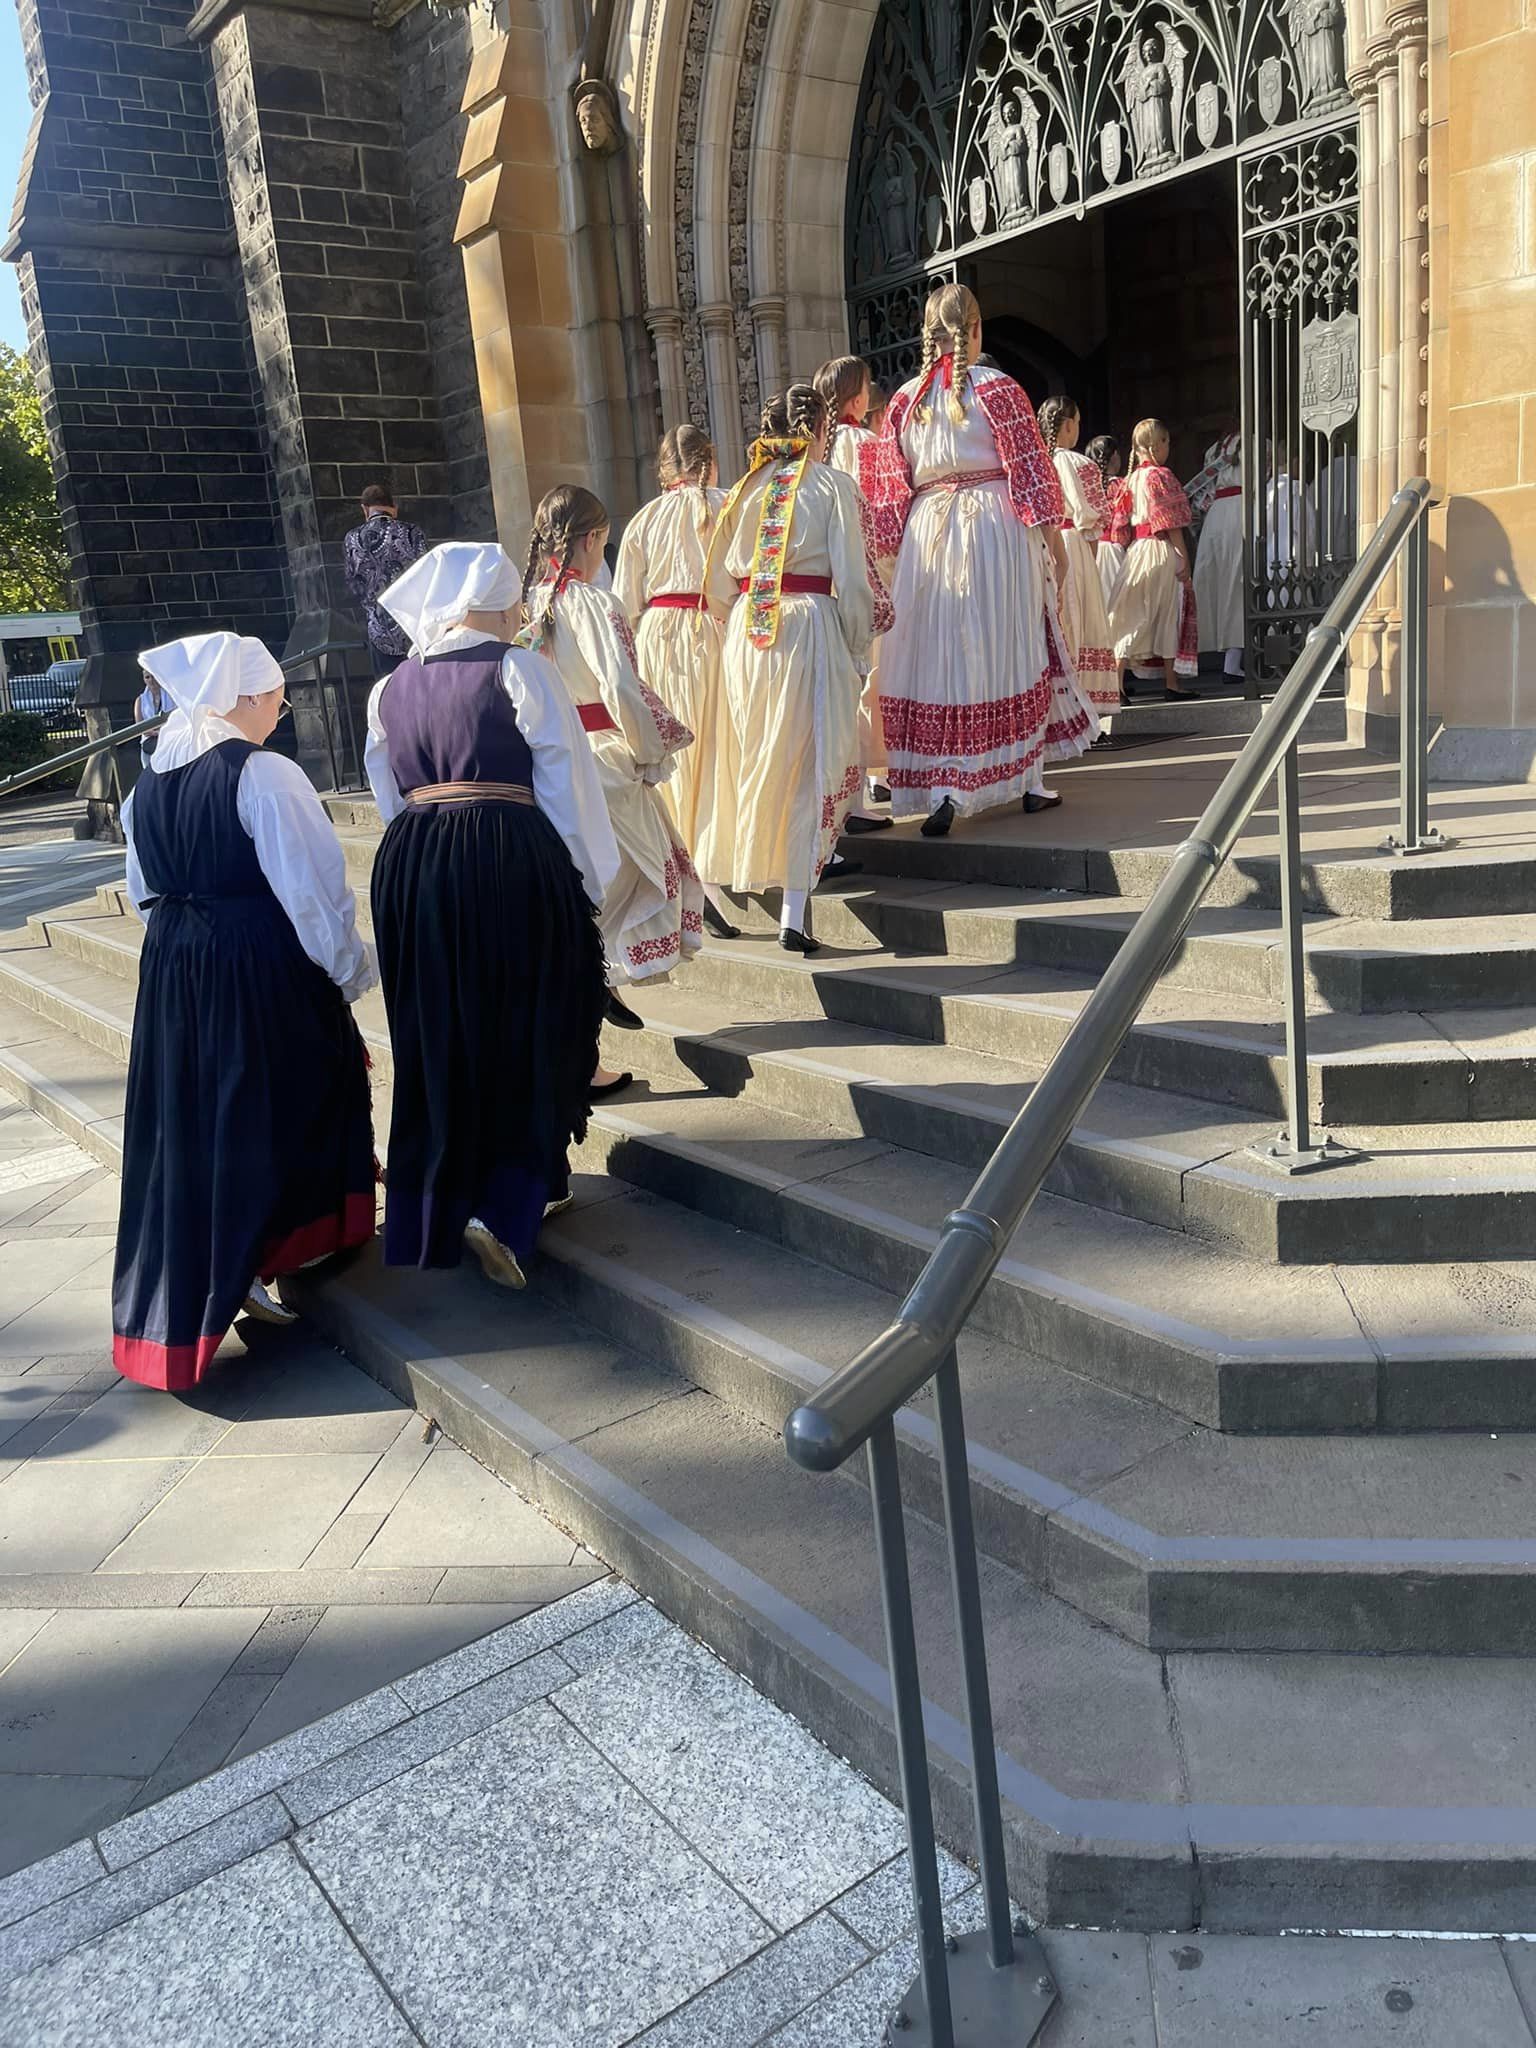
{"x": 373, "y": 555}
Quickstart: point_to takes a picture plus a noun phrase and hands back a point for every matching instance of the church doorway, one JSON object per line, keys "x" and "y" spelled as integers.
{"x": 1157, "y": 206}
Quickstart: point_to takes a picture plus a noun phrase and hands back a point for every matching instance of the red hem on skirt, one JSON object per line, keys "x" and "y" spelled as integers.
{"x": 174, "y": 1368}
{"x": 355, "y": 1225}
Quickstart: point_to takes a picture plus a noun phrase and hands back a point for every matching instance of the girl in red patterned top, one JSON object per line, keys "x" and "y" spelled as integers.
{"x": 976, "y": 684}
{"x": 1153, "y": 613}
{"x": 653, "y": 915}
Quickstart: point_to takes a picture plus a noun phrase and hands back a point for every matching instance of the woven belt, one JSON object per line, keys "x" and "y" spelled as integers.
{"x": 596, "y": 717}
{"x": 471, "y": 793}
{"x": 962, "y": 480}
{"x": 675, "y": 601}
{"x": 1152, "y": 532}
{"x": 1230, "y": 491}
{"x": 797, "y": 586}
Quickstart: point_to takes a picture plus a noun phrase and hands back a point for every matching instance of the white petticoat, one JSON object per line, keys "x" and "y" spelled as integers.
{"x": 1219, "y": 577}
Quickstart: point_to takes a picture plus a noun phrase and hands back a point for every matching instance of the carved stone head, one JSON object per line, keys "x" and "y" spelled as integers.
{"x": 597, "y": 116}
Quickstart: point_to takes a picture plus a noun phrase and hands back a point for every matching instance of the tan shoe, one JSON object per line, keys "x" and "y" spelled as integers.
{"x": 498, "y": 1263}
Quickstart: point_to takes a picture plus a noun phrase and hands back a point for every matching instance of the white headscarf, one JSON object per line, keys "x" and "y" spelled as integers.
{"x": 204, "y": 675}
{"x": 431, "y": 597}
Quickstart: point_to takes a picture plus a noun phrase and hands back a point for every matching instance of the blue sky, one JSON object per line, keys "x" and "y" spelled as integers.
{"x": 14, "y": 116}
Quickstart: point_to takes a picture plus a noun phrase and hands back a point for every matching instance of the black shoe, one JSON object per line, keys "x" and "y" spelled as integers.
{"x": 1040, "y": 800}
{"x": 857, "y": 823}
{"x": 621, "y": 1015}
{"x": 938, "y": 822}
{"x": 839, "y": 870}
{"x": 797, "y": 942}
{"x": 879, "y": 794}
{"x": 600, "y": 1089}
{"x": 716, "y": 925}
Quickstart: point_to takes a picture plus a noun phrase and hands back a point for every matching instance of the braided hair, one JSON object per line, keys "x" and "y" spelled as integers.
{"x": 799, "y": 413}
{"x": 1104, "y": 452}
{"x": 566, "y": 515}
{"x": 1051, "y": 413}
{"x": 840, "y": 382}
{"x": 685, "y": 457}
{"x": 948, "y": 317}
{"x": 1145, "y": 436}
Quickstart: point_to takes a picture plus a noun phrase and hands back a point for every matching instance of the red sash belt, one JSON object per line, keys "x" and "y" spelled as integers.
{"x": 675, "y": 601}
{"x": 1230, "y": 491}
{"x": 1069, "y": 526}
{"x": 797, "y": 586}
{"x": 1149, "y": 532}
{"x": 597, "y": 718}
{"x": 962, "y": 480}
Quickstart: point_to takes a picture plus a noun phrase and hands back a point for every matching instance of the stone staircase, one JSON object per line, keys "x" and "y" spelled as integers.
{"x": 1256, "y": 1500}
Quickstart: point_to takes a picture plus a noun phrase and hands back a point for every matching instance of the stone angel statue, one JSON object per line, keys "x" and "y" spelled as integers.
{"x": 1152, "y": 85}
{"x": 1011, "y": 140}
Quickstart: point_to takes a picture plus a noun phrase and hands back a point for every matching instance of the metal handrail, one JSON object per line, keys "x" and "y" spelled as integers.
{"x": 78, "y": 756}
{"x": 826, "y": 1432}
{"x": 1004, "y": 1974}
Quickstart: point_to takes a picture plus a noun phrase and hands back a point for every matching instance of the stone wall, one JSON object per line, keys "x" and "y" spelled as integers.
{"x": 139, "y": 339}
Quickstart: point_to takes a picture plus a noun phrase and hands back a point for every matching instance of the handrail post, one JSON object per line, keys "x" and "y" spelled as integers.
{"x": 1293, "y": 1150}
{"x": 1414, "y": 832}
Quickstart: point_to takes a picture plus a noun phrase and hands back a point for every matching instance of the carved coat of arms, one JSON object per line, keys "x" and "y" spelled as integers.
{"x": 1330, "y": 372}
{"x": 1110, "y": 151}
{"x": 1058, "y": 171}
{"x": 1271, "y": 90}
{"x": 1208, "y": 112}
{"x": 976, "y": 205}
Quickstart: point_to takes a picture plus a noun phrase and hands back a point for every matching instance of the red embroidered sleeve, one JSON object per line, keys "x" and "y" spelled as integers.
{"x": 1167, "y": 506}
{"x": 1091, "y": 480}
{"x": 885, "y": 611}
{"x": 670, "y": 729}
{"x": 1118, "y": 497}
{"x": 1033, "y": 485}
{"x": 886, "y": 481}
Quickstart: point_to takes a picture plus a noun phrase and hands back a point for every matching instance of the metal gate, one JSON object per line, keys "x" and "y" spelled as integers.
{"x": 981, "y": 119}
{"x": 1298, "y": 208}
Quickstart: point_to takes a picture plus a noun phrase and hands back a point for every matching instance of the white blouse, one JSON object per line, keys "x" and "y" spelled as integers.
{"x": 296, "y": 849}
{"x": 664, "y": 547}
{"x": 565, "y": 784}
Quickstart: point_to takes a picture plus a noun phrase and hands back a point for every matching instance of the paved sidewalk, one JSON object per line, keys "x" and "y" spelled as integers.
{"x": 186, "y": 1578}
{"x": 581, "y": 1832}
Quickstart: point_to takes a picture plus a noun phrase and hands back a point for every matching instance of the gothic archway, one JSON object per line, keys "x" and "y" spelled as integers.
{"x": 979, "y": 120}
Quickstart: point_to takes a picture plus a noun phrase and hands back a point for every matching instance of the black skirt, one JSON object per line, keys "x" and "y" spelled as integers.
{"x": 493, "y": 978}
{"x": 248, "y": 1136}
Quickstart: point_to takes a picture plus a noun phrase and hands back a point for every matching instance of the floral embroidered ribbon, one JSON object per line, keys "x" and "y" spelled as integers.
{"x": 765, "y": 584}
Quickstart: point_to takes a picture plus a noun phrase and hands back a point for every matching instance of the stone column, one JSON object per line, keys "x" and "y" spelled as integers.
{"x": 768, "y": 333}
{"x": 666, "y": 329}
{"x": 718, "y": 324}
{"x": 512, "y": 234}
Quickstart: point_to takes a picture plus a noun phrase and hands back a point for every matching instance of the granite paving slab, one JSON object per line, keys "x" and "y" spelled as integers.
{"x": 245, "y": 1514}
{"x": 526, "y": 1827}
{"x": 454, "y": 1512}
{"x": 67, "y": 1516}
{"x": 768, "y": 1989}
{"x": 282, "y": 1970}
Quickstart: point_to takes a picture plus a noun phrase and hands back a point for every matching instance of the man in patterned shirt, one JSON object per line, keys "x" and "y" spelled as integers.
{"x": 374, "y": 554}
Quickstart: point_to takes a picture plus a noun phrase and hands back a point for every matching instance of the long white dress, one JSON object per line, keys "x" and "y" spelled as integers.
{"x": 795, "y": 704}
{"x": 653, "y": 913}
{"x": 1083, "y": 615}
{"x": 678, "y": 651}
{"x": 1219, "y": 557}
{"x": 1153, "y": 615}
{"x": 849, "y": 453}
{"x": 976, "y": 685}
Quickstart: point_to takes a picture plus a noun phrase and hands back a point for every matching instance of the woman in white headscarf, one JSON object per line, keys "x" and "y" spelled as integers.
{"x": 496, "y": 855}
{"x": 247, "y": 1142}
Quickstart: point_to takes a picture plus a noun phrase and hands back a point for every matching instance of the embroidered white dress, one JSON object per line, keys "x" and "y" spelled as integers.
{"x": 1153, "y": 615}
{"x": 1083, "y": 615}
{"x": 849, "y": 453}
{"x": 678, "y": 651}
{"x": 653, "y": 912}
{"x": 795, "y": 705}
{"x": 1219, "y": 557}
{"x": 976, "y": 685}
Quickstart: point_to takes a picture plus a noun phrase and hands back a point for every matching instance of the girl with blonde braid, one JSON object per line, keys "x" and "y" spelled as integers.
{"x": 791, "y": 572}
{"x": 652, "y": 915}
{"x": 1153, "y": 615}
{"x": 659, "y": 584}
{"x": 976, "y": 682}
{"x": 844, "y": 387}
{"x": 1083, "y": 617}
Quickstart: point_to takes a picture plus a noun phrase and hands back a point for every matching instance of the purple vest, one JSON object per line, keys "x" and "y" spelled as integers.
{"x": 449, "y": 720}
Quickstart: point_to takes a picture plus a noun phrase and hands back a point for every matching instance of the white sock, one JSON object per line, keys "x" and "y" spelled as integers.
{"x": 792, "y": 915}
{"x": 1232, "y": 665}
{"x": 713, "y": 897}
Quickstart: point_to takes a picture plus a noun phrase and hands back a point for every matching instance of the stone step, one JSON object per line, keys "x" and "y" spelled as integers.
{"x": 1418, "y": 1195}
{"x": 1219, "y": 1338}
{"x": 1354, "y": 965}
{"x": 1177, "y": 1538}
{"x": 1444, "y": 1066}
{"x": 1140, "y": 1789}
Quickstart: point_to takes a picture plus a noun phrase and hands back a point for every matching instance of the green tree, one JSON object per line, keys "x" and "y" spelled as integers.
{"x": 34, "y": 564}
